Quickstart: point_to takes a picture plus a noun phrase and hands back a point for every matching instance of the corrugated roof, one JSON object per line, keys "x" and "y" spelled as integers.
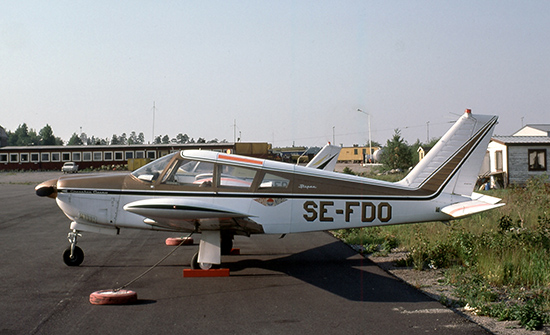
{"x": 522, "y": 139}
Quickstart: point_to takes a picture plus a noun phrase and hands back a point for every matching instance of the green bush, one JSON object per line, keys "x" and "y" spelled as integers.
{"x": 498, "y": 261}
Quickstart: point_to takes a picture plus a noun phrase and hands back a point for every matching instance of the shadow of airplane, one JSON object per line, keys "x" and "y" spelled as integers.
{"x": 338, "y": 269}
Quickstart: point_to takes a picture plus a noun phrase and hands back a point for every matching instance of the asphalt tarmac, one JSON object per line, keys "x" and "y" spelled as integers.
{"x": 304, "y": 283}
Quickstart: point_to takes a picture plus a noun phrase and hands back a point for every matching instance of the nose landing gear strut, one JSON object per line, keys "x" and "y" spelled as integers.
{"x": 73, "y": 256}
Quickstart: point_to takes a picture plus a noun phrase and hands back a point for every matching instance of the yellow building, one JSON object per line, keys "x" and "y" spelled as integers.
{"x": 356, "y": 154}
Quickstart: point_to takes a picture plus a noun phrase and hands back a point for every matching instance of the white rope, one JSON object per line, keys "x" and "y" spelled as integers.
{"x": 152, "y": 267}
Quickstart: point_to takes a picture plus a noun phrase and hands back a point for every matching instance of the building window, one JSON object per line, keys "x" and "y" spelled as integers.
{"x": 56, "y": 156}
{"x": 35, "y": 157}
{"x": 537, "y": 159}
{"x": 108, "y": 156}
{"x": 24, "y": 158}
{"x": 77, "y": 156}
{"x": 66, "y": 156}
{"x": 14, "y": 158}
{"x": 97, "y": 156}
{"x": 151, "y": 154}
{"x": 118, "y": 156}
{"x": 87, "y": 156}
{"x": 3, "y": 158}
{"x": 140, "y": 154}
{"x": 45, "y": 157}
{"x": 129, "y": 155}
{"x": 498, "y": 160}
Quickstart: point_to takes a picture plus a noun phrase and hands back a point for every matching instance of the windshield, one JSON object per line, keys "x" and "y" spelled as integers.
{"x": 188, "y": 172}
{"x": 152, "y": 171}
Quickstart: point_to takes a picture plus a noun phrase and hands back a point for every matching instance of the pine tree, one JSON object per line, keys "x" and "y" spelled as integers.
{"x": 397, "y": 154}
{"x": 46, "y": 136}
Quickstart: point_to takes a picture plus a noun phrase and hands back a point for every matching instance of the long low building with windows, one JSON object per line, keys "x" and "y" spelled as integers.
{"x": 96, "y": 156}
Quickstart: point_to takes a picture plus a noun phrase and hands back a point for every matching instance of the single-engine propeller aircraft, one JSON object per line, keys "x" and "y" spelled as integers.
{"x": 221, "y": 195}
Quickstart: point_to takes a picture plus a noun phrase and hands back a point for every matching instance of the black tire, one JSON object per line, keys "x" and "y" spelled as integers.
{"x": 226, "y": 244}
{"x": 76, "y": 260}
{"x": 195, "y": 262}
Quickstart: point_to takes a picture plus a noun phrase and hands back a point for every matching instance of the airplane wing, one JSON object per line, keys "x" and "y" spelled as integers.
{"x": 479, "y": 203}
{"x": 326, "y": 158}
{"x": 186, "y": 213}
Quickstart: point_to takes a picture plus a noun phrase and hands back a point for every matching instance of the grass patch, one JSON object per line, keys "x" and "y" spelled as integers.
{"x": 498, "y": 261}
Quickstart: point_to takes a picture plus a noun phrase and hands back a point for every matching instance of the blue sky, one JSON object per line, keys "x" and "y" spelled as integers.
{"x": 286, "y": 71}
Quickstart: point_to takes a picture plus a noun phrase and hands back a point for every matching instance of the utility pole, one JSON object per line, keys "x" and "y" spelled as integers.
{"x": 427, "y": 132}
{"x": 368, "y": 120}
{"x": 153, "y": 132}
{"x": 234, "y": 130}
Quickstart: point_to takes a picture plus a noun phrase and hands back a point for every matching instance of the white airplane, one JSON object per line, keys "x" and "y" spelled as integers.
{"x": 221, "y": 195}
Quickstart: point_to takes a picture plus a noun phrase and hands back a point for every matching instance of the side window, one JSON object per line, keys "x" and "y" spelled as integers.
{"x": 498, "y": 160}
{"x": 537, "y": 159}
{"x": 272, "y": 181}
{"x": 236, "y": 176}
{"x": 190, "y": 173}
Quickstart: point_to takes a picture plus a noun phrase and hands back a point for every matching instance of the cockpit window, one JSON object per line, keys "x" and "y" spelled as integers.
{"x": 191, "y": 173}
{"x": 271, "y": 181}
{"x": 153, "y": 170}
{"x": 236, "y": 176}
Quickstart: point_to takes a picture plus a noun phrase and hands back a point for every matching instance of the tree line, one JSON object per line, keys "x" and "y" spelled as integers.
{"x": 24, "y": 136}
{"x": 396, "y": 154}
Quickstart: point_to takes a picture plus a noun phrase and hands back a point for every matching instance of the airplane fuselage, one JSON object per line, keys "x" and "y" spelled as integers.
{"x": 303, "y": 204}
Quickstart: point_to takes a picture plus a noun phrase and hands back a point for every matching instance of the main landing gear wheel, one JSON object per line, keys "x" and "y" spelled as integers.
{"x": 75, "y": 258}
{"x": 195, "y": 265}
{"x": 226, "y": 243}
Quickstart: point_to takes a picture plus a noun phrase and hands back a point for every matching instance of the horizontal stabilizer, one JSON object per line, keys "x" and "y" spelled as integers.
{"x": 485, "y": 198}
{"x": 465, "y": 208}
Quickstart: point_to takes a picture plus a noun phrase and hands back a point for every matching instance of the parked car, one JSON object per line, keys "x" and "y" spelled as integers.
{"x": 70, "y": 167}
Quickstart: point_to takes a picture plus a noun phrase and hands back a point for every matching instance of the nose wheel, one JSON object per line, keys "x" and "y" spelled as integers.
{"x": 73, "y": 256}
{"x": 195, "y": 265}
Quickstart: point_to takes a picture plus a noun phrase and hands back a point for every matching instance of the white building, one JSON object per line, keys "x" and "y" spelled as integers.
{"x": 514, "y": 159}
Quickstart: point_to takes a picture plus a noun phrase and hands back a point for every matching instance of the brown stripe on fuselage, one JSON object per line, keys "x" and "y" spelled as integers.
{"x": 98, "y": 181}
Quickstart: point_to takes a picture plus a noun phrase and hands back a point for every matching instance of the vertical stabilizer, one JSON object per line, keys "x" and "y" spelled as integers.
{"x": 326, "y": 158}
{"x": 453, "y": 164}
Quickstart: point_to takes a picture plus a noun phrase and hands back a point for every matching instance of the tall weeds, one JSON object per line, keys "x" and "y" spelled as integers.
{"x": 498, "y": 260}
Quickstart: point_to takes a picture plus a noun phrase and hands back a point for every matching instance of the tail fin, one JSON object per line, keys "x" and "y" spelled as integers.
{"x": 453, "y": 164}
{"x": 326, "y": 158}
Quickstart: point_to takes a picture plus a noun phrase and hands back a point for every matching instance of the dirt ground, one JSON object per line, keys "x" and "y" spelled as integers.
{"x": 431, "y": 282}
